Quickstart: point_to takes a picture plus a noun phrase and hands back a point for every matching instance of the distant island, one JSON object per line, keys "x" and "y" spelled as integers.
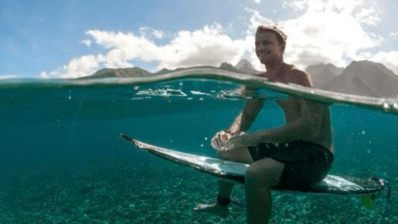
{"x": 244, "y": 66}
{"x": 365, "y": 78}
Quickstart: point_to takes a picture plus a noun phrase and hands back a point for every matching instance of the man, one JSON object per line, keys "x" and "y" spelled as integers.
{"x": 291, "y": 156}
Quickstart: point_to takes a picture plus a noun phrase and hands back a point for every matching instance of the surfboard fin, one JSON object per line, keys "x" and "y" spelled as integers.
{"x": 125, "y": 137}
{"x": 367, "y": 201}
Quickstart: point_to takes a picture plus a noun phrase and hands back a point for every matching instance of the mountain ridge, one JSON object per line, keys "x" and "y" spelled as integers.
{"x": 246, "y": 68}
{"x": 374, "y": 76}
{"x": 364, "y": 78}
{"x": 323, "y": 73}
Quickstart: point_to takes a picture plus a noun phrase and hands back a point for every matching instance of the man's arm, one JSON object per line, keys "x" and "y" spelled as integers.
{"x": 249, "y": 113}
{"x": 241, "y": 123}
{"x": 246, "y": 118}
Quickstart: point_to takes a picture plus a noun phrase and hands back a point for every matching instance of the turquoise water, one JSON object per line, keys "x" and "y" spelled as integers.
{"x": 62, "y": 161}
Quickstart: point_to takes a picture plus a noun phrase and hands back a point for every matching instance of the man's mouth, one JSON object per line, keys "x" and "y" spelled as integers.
{"x": 263, "y": 54}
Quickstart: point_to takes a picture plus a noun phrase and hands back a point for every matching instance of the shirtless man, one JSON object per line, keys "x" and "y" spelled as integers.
{"x": 288, "y": 157}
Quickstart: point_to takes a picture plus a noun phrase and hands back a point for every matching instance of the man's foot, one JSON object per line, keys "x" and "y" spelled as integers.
{"x": 216, "y": 209}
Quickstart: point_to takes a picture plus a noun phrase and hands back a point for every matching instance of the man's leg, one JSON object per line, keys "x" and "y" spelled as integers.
{"x": 225, "y": 188}
{"x": 259, "y": 178}
{"x": 238, "y": 155}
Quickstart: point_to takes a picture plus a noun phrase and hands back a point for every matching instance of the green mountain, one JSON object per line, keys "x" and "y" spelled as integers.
{"x": 118, "y": 72}
{"x": 139, "y": 72}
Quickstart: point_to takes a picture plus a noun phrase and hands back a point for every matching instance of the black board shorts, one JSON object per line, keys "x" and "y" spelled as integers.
{"x": 305, "y": 162}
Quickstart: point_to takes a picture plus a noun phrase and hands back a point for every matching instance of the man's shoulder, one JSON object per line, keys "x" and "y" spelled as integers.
{"x": 299, "y": 76}
{"x": 294, "y": 69}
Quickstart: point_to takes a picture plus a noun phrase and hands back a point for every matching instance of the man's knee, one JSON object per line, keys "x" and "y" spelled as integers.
{"x": 254, "y": 177}
{"x": 263, "y": 175}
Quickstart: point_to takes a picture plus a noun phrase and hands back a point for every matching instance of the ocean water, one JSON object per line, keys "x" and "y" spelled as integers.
{"x": 62, "y": 160}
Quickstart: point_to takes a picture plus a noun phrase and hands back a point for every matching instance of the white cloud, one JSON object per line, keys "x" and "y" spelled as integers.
{"x": 326, "y": 37}
{"x": 359, "y": 8}
{"x": 151, "y": 33}
{"x": 329, "y": 31}
{"x": 208, "y": 46}
{"x": 257, "y": 1}
{"x": 86, "y": 42}
{"x": 296, "y": 5}
{"x": 44, "y": 75}
{"x": 2, "y": 77}
{"x": 81, "y": 66}
{"x": 364, "y": 11}
{"x": 389, "y": 59}
{"x": 77, "y": 67}
{"x": 368, "y": 16}
{"x": 255, "y": 20}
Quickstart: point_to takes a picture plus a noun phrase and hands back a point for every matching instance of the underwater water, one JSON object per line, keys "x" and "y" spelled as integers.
{"x": 62, "y": 160}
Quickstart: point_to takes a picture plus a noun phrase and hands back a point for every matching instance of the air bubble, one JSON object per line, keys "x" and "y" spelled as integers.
{"x": 363, "y": 132}
{"x": 286, "y": 145}
{"x": 205, "y": 138}
{"x": 201, "y": 145}
{"x": 368, "y": 150}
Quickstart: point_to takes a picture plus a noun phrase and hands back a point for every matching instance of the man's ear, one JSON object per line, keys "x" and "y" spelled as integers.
{"x": 283, "y": 46}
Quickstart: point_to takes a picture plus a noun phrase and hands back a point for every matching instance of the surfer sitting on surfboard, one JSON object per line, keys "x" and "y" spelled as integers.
{"x": 291, "y": 156}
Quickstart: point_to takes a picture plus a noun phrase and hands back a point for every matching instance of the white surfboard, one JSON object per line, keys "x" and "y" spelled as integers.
{"x": 235, "y": 171}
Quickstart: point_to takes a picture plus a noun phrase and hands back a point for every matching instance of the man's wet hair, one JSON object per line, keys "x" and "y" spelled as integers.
{"x": 279, "y": 33}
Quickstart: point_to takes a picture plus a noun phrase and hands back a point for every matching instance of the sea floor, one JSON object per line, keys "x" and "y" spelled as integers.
{"x": 126, "y": 191}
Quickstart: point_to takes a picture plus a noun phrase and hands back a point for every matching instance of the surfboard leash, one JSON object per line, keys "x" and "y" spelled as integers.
{"x": 388, "y": 199}
{"x": 241, "y": 204}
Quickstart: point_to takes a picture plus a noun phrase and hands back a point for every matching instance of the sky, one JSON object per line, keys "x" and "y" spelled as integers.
{"x": 72, "y": 38}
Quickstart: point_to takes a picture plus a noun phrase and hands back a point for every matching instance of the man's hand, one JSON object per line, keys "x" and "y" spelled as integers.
{"x": 239, "y": 140}
{"x": 220, "y": 139}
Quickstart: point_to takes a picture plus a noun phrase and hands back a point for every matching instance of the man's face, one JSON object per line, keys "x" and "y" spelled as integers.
{"x": 268, "y": 48}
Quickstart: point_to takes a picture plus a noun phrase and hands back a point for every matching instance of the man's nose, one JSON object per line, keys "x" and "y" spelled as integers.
{"x": 261, "y": 47}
